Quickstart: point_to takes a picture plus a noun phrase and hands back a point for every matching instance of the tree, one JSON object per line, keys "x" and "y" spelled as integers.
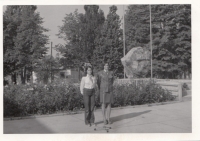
{"x": 94, "y": 19}
{"x": 27, "y": 44}
{"x": 10, "y": 24}
{"x": 171, "y": 32}
{"x": 45, "y": 68}
{"x": 110, "y": 47}
{"x": 172, "y": 41}
{"x": 183, "y": 41}
{"x": 80, "y": 31}
{"x": 137, "y": 26}
{"x": 70, "y": 31}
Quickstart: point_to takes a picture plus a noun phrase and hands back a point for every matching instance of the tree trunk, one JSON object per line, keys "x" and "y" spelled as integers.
{"x": 14, "y": 78}
{"x": 184, "y": 74}
{"x": 46, "y": 79}
{"x": 29, "y": 77}
{"x": 79, "y": 78}
{"x": 23, "y": 75}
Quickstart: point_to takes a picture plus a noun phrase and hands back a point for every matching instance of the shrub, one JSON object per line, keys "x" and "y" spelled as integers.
{"x": 142, "y": 93}
{"x": 185, "y": 86}
{"x": 43, "y": 99}
{"x": 19, "y": 100}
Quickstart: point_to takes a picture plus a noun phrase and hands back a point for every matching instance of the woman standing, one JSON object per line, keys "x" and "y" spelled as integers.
{"x": 105, "y": 80}
{"x": 87, "y": 90}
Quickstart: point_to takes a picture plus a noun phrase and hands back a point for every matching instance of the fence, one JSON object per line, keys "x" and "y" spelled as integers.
{"x": 174, "y": 87}
{"x": 127, "y": 81}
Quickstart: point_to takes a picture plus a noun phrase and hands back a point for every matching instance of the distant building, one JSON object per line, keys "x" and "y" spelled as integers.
{"x": 72, "y": 75}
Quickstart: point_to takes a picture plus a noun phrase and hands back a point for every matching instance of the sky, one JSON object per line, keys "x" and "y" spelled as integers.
{"x": 54, "y": 14}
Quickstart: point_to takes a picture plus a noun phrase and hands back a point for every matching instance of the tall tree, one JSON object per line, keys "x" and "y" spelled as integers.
{"x": 94, "y": 19}
{"x": 110, "y": 47}
{"x": 171, "y": 32}
{"x": 172, "y": 41}
{"x": 71, "y": 32}
{"x": 10, "y": 24}
{"x": 28, "y": 42}
{"x": 183, "y": 40}
{"x": 137, "y": 27}
{"x": 80, "y": 31}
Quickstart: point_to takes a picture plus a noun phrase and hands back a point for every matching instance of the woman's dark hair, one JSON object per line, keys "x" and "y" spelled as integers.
{"x": 105, "y": 63}
{"x": 85, "y": 73}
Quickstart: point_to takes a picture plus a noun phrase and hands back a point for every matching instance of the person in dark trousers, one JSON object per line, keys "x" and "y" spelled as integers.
{"x": 87, "y": 86}
{"x": 105, "y": 79}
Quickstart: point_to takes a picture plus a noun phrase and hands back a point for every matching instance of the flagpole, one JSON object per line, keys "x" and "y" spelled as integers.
{"x": 124, "y": 37}
{"x": 51, "y": 61}
{"x": 151, "y": 41}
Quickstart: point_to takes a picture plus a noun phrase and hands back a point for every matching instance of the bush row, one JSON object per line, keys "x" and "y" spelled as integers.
{"x": 23, "y": 100}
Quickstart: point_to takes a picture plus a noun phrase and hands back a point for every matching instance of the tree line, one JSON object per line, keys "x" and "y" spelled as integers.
{"x": 171, "y": 33}
{"x": 92, "y": 37}
{"x": 23, "y": 41}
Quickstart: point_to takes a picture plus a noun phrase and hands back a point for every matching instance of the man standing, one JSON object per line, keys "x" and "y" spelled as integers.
{"x": 105, "y": 81}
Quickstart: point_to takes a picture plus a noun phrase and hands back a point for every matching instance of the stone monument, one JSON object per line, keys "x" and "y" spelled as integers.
{"x": 136, "y": 61}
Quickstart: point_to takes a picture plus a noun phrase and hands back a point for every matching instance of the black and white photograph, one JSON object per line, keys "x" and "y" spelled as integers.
{"x": 97, "y": 69}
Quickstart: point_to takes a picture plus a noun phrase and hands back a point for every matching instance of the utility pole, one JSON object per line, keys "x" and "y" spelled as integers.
{"x": 151, "y": 50}
{"x": 124, "y": 38}
{"x": 151, "y": 41}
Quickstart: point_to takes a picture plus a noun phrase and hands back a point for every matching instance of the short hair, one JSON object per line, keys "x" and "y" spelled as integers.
{"x": 87, "y": 69}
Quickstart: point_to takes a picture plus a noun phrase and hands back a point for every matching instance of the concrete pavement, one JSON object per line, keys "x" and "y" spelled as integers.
{"x": 168, "y": 118}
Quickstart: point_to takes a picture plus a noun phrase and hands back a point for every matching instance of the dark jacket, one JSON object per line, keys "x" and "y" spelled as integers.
{"x": 105, "y": 81}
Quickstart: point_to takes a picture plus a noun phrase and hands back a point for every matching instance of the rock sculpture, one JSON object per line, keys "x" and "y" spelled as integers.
{"x": 136, "y": 61}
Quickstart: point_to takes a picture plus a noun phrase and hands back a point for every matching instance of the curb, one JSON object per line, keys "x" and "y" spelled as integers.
{"x": 147, "y": 105}
{"x": 41, "y": 116}
{"x": 80, "y": 112}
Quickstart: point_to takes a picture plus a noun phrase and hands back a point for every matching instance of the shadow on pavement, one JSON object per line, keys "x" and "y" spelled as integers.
{"x": 26, "y": 126}
{"x": 125, "y": 116}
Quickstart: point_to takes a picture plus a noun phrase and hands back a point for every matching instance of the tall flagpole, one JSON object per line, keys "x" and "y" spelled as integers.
{"x": 151, "y": 41}
{"x": 124, "y": 37}
{"x": 51, "y": 61}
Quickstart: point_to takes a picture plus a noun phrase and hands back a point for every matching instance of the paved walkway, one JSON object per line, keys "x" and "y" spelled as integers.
{"x": 168, "y": 118}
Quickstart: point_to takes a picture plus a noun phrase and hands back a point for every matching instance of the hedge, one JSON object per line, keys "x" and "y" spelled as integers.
{"x": 23, "y": 100}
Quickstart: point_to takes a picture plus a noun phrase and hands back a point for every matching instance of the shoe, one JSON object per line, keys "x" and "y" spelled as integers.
{"x": 105, "y": 122}
{"x": 88, "y": 124}
{"x": 109, "y": 121}
{"x": 92, "y": 124}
